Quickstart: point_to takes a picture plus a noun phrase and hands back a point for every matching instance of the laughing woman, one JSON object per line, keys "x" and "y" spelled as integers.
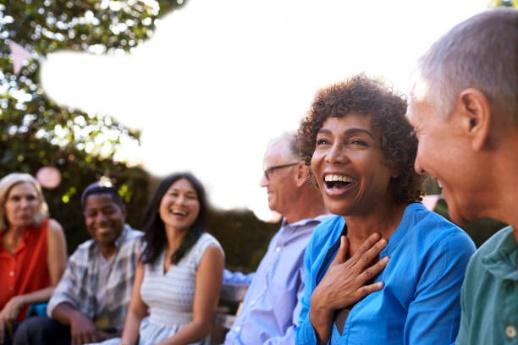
{"x": 179, "y": 275}
{"x": 384, "y": 270}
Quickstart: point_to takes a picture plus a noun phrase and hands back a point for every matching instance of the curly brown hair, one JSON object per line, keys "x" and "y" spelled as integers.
{"x": 386, "y": 110}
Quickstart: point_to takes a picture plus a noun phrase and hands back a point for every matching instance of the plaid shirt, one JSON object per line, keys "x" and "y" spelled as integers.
{"x": 80, "y": 283}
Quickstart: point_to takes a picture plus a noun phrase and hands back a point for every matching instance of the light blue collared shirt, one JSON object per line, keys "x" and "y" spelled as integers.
{"x": 270, "y": 310}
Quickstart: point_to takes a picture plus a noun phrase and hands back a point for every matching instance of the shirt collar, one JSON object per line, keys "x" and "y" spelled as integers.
{"x": 501, "y": 262}
{"x": 305, "y": 221}
{"x": 121, "y": 239}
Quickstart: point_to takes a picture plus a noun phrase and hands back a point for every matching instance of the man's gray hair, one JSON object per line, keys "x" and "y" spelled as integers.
{"x": 480, "y": 53}
{"x": 289, "y": 139}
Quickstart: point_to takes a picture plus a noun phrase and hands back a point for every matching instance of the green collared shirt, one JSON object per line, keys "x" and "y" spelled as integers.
{"x": 489, "y": 297}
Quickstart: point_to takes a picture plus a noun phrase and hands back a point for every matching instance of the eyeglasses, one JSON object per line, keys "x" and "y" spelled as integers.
{"x": 268, "y": 171}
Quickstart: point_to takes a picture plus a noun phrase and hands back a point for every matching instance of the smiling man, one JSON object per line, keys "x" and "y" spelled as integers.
{"x": 464, "y": 109}
{"x": 270, "y": 310}
{"x": 90, "y": 302}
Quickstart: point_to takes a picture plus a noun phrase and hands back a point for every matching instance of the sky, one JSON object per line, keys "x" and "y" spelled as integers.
{"x": 219, "y": 79}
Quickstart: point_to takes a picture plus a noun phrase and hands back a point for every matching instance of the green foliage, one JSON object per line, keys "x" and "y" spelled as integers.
{"x": 244, "y": 237}
{"x": 35, "y": 131}
{"x": 504, "y": 3}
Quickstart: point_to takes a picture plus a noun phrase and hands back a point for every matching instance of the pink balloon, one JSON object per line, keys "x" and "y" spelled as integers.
{"x": 49, "y": 177}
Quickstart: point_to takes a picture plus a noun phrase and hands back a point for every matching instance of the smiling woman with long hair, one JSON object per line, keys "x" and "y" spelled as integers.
{"x": 179, "y": 275}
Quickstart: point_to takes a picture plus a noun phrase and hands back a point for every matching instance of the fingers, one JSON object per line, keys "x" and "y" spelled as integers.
{"x": 341, "y": 254}
{"x": 369, "y": 243}
{"x": 89, "y": 337}
{"x": 369, "y": 251}
{"x": 368, "y": 289}
{"x": 80, "y": 339}
{"x": 374, "y": 270}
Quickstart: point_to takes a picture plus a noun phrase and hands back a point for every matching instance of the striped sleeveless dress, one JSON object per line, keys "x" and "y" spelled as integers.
{"x": 170, "y": 295}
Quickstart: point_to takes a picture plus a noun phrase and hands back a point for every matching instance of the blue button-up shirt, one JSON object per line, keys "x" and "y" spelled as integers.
{"x": 420, "y": 301}
{"x": 269, "y": 314}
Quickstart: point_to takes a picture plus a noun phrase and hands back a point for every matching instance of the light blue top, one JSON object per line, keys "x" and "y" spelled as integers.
{"x": 419, "y": 303}
{"x": 271, "y": 306}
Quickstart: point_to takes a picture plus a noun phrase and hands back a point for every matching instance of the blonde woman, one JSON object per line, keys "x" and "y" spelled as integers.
{"x": 32, "y": 250}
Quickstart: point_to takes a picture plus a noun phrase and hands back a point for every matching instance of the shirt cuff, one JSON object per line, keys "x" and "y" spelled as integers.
{"x": 55, "y": 301}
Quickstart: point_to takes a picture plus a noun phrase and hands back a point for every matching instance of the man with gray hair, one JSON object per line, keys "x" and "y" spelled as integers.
{"x": 464, "y": 108}
{"x": 270, "y": 310}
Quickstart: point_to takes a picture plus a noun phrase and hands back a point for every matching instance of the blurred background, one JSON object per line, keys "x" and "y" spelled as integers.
{"x": 55, "y": 122}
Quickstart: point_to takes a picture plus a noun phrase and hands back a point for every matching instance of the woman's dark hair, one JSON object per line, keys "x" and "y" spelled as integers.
{"x": 387, "y": 113}
{"x": 155, "y": 238}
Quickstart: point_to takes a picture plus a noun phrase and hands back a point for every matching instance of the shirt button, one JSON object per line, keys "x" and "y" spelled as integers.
{"x": 278, "y": 249}
{"x": 237, "y": 329}
{"x": 510, "y": 331}
{"x": 11, "y": 274}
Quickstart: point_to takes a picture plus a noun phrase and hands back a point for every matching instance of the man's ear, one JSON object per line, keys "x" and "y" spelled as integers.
{"x": 302, "y": 174}
{"x": 475, "y": 109}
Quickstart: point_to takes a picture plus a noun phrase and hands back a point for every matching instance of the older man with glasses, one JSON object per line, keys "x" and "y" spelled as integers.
{"x": 269, "y": 314}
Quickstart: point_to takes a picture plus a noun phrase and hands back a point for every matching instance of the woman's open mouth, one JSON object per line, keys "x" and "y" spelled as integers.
{"x": 336, "y": 184}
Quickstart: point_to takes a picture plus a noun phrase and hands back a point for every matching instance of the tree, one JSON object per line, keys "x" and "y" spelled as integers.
{"x": 504, "y": 3}
{"x": 35, "y": 131}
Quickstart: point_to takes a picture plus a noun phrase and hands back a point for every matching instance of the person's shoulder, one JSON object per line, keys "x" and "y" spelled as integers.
{"x": 82, "y": 251}
{"x": 133, "y": 233}
{"x": 206, "y": 243}
{"x": 85, "y": 246}
{"x": 494, "y": 242}
{"x": 432, "y": 223}
{"x": 131, "y": 237}
{"x": 208, "y": 239}
{"x": 436, "y": 232}
{"x": 54, "y": 225}
{"x": 477, "y": 271}
{"x": 55, "y": 230}
{"x": 210, "y": 243}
